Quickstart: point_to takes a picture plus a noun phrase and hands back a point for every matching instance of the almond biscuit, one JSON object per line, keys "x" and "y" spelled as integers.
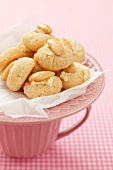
{"x": 8, "y": 56}
{"x": 19, "y": 72}
{"x": 46, "y": 87}
{"x": 71, "y": 78}
{"x": 52, "y": 59}
{"x": 76, "y": 48}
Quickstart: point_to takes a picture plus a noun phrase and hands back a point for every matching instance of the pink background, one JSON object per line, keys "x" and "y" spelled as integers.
{"x": 91, "y": 23}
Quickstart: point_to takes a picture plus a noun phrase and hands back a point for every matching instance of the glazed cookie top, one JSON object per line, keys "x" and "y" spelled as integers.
{"x": 76, "y": 48}
{"x": 54, "y": 56}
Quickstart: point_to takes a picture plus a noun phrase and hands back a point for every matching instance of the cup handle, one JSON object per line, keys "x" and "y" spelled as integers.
{"x": 76, "y": 126}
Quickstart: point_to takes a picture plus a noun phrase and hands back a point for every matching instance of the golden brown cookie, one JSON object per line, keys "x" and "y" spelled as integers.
{"x": 40, "y": 76}
{"x": 8, "y": 56}
{"x": 73, "y": 77}
{"x": 19, "y": 72}
{"x": 45, "y": 28}
{"x": 26, "y": 52}
{"x": 46, "y": 87}
{"x": 77, "y": 49}
{"x": 56, "y": 46}
{"x": 35, "y": 40}
{"x": 6, "y": 71}
{"x": 54, "y": 56}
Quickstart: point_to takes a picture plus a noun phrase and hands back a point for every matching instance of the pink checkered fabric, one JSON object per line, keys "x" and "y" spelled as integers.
{"x": 91, "y": 23}
{"x": 89, "y": 148}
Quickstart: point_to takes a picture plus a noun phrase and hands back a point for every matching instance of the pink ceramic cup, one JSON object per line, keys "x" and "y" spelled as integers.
{"x": 27, "y": 137}
{"x": 27, "y": 140}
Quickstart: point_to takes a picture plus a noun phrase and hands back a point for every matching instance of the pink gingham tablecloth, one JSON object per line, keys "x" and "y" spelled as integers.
{"x": 91, "y": 23}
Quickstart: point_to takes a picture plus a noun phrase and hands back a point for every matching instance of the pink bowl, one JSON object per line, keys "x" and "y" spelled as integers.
{"x": 27, "y": 137}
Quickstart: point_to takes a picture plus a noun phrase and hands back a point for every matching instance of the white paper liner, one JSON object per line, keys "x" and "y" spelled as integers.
{"x": 15, "y": 104}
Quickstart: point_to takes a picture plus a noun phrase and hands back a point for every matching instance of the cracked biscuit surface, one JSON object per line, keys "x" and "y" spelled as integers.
{"x": 9, "y": 56}
{"x": 47, "y": 85}
{"x": 54, "y": 56}
{"x": 76, "y": 48}
{"x": 37, "y": 38}
{"x": 26, "y": 52}
{"x": 33, "y": 40}
{"x": 19, "y": 72}
{"x": 71, "y": 78}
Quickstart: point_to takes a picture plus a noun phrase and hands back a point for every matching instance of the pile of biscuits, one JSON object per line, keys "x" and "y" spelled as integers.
{"x": 42, "y": 64}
